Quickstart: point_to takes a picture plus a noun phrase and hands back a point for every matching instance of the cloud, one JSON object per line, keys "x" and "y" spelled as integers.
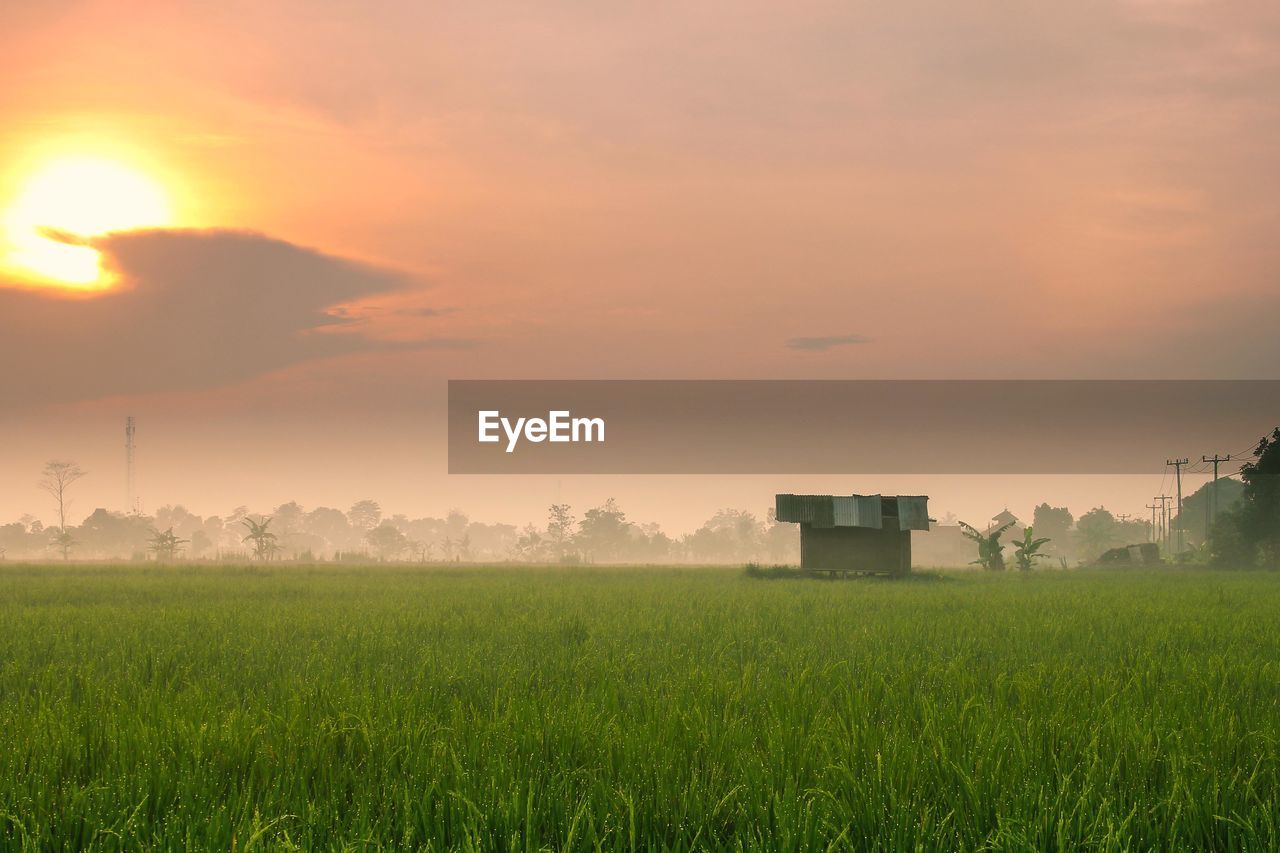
{"x": 196, "y": 309}
{"x": 824, "y": 343}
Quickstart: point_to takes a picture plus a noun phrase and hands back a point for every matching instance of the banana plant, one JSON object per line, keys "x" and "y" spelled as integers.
{"x": 1027, "y": 550}
{"x": 165, "y": 545}
{"x": 990, "y": 548}
{"x": 264, "y": 541}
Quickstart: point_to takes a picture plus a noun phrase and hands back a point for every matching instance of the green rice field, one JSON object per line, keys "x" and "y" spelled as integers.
{"x": 504, "y": 708}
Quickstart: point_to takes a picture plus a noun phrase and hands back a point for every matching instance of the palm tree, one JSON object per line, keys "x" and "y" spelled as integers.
{"x": 264, "y": 541}
{"x": 1027, "y": 550}
{"x": 990, "y": 549}
{"x": 165, "y": 545}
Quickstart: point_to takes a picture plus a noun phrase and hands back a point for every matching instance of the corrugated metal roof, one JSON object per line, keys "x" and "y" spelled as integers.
{"x": 913, "y": 512}
{"x": 853, "y": 510}
{"x": 857, "y": 511}
{"x": 805, "y": 509}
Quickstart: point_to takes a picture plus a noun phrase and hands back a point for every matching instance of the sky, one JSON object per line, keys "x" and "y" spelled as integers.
{"x": 362, "y": 201}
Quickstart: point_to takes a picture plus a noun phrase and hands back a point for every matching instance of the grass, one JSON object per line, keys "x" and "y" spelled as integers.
{"x": 512, "y": 708}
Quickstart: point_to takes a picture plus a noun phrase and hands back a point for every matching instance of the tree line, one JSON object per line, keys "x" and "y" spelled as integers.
{"x": 1227, "y": 523}
{"x": 362, "y": 532}
{"x": 1244, "y": 532}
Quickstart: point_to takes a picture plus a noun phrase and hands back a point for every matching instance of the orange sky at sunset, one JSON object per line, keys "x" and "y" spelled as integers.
{"x": 354, "y": 206}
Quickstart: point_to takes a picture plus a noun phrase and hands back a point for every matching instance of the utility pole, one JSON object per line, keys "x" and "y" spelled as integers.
{"x": 1177, "y": 467}
{"x": 1153, "y": 508}
{"x": 1164, "y": 521}
{"x": 1209, "y": 518}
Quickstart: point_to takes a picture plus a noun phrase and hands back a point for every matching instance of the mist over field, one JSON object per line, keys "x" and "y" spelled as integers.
{"x": 608, "y": 532}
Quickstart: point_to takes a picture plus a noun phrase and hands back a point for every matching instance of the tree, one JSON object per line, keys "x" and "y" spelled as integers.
{"x": 200, "y": 542}
{"x": 1250, "y": 534}
{"x": 1198, "y": 506}
{"x": 330, "y": 525}
{"x": 731, "y": 534}
{"x": 57, "y": 480}
{"x": 1054, "y": 522}
{"x": 365, "y": 515}
{"x": 1027, "y": 549}
{"x": 530, "y": 545}
{"x": 165, "y": 545}
{"x": 456, "y": 523}
{"x": 289, "y": 517}
{"x": 63, "y": 541}
{"x": 560, "y": 523}
{"x": 107, "y": 534}
{"x": 178, "y": 517}
{"x": 264, "y": 541}
{"x": 990, "y": 549}
{"x": 779, "y": 540}
{"x": 604, "y": 531}
{"x": 1097, "y": 531}
{"x": 387, "y": 541}
{"x": 1227, "y": 545}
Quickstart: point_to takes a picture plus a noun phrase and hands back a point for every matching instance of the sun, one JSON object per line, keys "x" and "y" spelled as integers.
{"x": 62, "y": 202}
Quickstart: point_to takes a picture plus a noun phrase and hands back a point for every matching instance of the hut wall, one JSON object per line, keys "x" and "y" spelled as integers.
{"x": 859, "y": 549}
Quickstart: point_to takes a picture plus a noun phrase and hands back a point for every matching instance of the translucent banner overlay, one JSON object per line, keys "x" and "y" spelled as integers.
{"x": 849, "y": 426}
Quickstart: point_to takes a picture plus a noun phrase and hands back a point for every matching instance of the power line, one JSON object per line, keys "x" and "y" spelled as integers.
{"x": 1248, "y": 451}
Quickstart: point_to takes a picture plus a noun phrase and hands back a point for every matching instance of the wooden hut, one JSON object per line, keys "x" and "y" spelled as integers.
{"x": 865, "y": 534}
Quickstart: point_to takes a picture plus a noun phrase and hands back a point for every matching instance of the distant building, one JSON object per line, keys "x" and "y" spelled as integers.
{"x": 855, "y": 533}
{"x": 945, "y": 545}
{"x": 1004, "y": 517}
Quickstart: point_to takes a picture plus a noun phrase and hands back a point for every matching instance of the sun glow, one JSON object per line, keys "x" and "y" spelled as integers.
{"x": 64, "y": 202}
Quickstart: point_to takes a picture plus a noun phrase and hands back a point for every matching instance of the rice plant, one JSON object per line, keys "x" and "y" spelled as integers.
{"x": 286, "y": 706}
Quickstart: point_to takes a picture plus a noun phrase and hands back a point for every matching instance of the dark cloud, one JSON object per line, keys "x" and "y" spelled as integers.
{"x": 820, "y": 344}
{"x": 196, "y": 309}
